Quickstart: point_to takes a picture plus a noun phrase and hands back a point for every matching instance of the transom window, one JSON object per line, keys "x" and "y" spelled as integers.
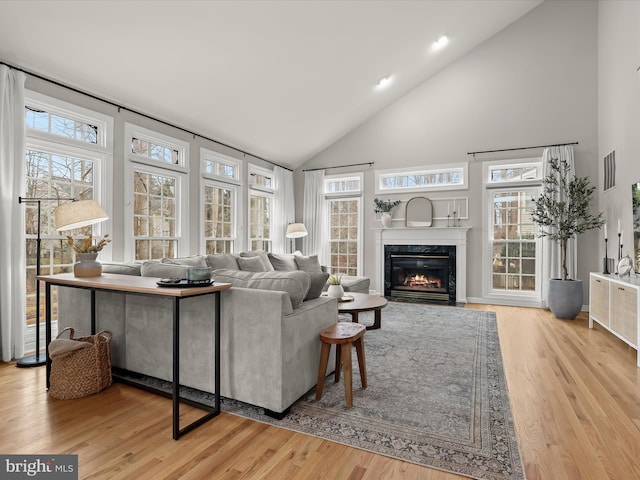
{"x": 260, "y": 179}
{"x": 342, "y": 185}
{"x": 434, "y": 177}
{"x": 62, "y": 125}
{"x": 216, "y": 165}
{"x": 526, "y": 172}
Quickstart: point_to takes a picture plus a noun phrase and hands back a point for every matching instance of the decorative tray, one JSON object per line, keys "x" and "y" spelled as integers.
{"x": 183, "y": 283}
{"x": 346, "y": 298}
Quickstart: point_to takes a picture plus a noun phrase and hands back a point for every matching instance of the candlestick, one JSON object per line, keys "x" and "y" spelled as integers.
{"x": 619, "y": 245}
{"x": 606, "y": 255}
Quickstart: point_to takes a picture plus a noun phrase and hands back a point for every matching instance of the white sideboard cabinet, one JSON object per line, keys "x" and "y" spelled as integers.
{"x": 613, "y": 303}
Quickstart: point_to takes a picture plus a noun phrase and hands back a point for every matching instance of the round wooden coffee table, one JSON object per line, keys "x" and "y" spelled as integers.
{"x": 363, "y": 302}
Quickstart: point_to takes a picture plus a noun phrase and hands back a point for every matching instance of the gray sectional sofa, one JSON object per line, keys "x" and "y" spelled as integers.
{"x": 270, "y": 324}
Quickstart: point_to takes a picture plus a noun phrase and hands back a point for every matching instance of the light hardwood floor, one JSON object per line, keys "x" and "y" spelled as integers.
{"x": 575, "y": 395}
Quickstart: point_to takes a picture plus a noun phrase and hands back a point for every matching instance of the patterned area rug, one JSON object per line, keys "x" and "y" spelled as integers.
{"x": 436, "y": 395}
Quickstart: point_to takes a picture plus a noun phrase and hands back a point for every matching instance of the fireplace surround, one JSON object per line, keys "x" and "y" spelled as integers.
{"x": 420, "y": 273}
{"x": 455, "y": 237}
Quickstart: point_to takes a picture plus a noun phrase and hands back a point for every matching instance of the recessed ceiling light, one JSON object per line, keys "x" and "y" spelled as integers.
{"x": 440, "y": 43}
{"x": 384, "y": 82}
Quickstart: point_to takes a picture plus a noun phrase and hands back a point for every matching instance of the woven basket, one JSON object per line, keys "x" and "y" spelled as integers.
{"x": 83, "y": 371}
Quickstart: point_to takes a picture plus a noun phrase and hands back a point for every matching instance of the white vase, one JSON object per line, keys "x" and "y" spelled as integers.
{"x": 335, "y": 291}
{"x": 385, "y": 218}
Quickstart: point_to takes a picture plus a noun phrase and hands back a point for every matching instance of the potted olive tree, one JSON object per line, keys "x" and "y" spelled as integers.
{"x": 563, "y": 211}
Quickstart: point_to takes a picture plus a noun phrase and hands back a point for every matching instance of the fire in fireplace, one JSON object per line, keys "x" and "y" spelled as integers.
{"x": 422, "y": 273}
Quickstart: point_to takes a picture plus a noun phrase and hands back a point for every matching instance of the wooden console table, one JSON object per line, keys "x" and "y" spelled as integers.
{"x": 146, "y": 286}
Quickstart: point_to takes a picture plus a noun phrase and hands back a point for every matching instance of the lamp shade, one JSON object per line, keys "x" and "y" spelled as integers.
{"x": 296, "y": 230}
{"x": 78, "y": 214}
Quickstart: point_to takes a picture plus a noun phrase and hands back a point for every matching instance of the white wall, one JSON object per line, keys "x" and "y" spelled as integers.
{"x": 619, "y": 112}
{"x": 534, "y": 83}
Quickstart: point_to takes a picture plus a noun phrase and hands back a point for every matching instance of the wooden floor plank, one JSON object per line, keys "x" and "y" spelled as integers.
{"x": 574, "y": 391}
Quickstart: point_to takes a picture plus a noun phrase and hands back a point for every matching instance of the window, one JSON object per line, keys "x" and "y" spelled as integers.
{"x": 435, "y": 177}
{"x": 221, "y": 167}
{"x": 219, "y": 218}
{"x": 343, "y": 199}
{"x": 512, "y": 266}
{"x": 156, "y": 187}
{"x": 344, "y": 235}
{"x": 67, "y": 155}
{"x": 261, "y": 184}
{"x": 154, "y": 215}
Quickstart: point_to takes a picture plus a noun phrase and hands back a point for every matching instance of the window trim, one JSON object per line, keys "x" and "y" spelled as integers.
{"x": 532, "y": 161}
{"x": 347, "y": 193}
{"x": 428, "y": 169}
{"x": 256, "y": 170}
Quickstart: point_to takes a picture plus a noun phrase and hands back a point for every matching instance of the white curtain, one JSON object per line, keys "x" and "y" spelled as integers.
{"x": 551, "y": 256}
{"x": 284, "y": 208}
{"x": 12, "y": 282}
{"x": 313, "y": 215}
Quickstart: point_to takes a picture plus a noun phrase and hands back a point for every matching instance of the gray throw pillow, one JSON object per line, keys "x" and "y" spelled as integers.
{"x": 295, "y": 284}
{"x": 263, "y": 256}
{"x": 192, "y": 261}
{"x": 222, "y": 260}
{"x": 251, "y": 264}
{"x": 318, "y": 281}
{"x": 163, "y": 270}
{"x": 132, "y": 268}
{"x": 308, "y": 264}
{"x": 283, "y": 262}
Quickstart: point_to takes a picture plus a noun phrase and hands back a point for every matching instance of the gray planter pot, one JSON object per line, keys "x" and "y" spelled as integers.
{"x": 565, "y": 298}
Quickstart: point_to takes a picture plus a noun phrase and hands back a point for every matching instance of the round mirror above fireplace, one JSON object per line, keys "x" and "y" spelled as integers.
{"x": 419, "y": 212}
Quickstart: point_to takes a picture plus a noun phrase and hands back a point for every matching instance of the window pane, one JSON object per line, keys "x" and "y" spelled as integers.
{"x": 61, "y": 125}
{"x": 218, "y": 213}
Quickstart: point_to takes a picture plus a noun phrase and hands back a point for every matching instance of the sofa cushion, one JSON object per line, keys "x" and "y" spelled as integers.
{"x": 223, "y": 260}
{"x": 157, "y": 269}
{"x": 132, "y": 268}
{"x": 264, "y": 256}
{"x": 283, "y": 262}
{"x": 192, "y": 261}
{"x": 308, "y": 264}
{"x": 251, "y": 264}
{"x": 295, "y": 284}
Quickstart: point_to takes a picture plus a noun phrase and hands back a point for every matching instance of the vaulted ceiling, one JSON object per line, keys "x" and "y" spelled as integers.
{"x": 279, "y": 79}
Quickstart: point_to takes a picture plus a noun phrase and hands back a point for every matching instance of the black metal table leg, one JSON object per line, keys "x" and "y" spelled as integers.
{"x": 47, "y": 329}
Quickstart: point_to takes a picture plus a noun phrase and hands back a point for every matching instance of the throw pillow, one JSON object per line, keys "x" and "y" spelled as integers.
{"x": 308, "y": 264}
{"x": 263, "y": 256}
{"x": 318, "y": 281}
{"x": 283, "y": 262}
{"x": 251, "y": 264}
{"x": 295, "y": 284}
{"x": 222, "y": 260}
{"x": 163, "y": 270}
{"x": 192, "y": 261}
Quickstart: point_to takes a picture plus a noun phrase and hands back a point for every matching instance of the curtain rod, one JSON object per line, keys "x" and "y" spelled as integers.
{"x": 338, "y": 166}
{"x": 523, "y": 148}
{"x": 136, "y": 112}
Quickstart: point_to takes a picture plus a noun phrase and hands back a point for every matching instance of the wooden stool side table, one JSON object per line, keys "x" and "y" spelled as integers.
{"x": 342, "y": 335}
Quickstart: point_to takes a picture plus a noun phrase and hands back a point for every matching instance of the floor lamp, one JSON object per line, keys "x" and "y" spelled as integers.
{"x": 295, "y": 230}
{"x": 76, "y": 214}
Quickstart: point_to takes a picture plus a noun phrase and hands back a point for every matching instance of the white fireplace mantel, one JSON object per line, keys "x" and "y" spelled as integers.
{"x": 455, "y": 236}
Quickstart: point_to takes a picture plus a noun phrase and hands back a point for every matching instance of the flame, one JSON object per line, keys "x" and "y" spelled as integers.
{"x": 423, "y": 281}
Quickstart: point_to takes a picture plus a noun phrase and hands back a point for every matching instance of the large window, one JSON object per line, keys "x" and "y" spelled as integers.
{"x": 67, "y": 156}
{"x": 219, "y": 218}
{"x": 261, "y": 183}
{"x": 156, "y": 187}
{"x": 343, "y": 198}
{"x": 512, "y": 266}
